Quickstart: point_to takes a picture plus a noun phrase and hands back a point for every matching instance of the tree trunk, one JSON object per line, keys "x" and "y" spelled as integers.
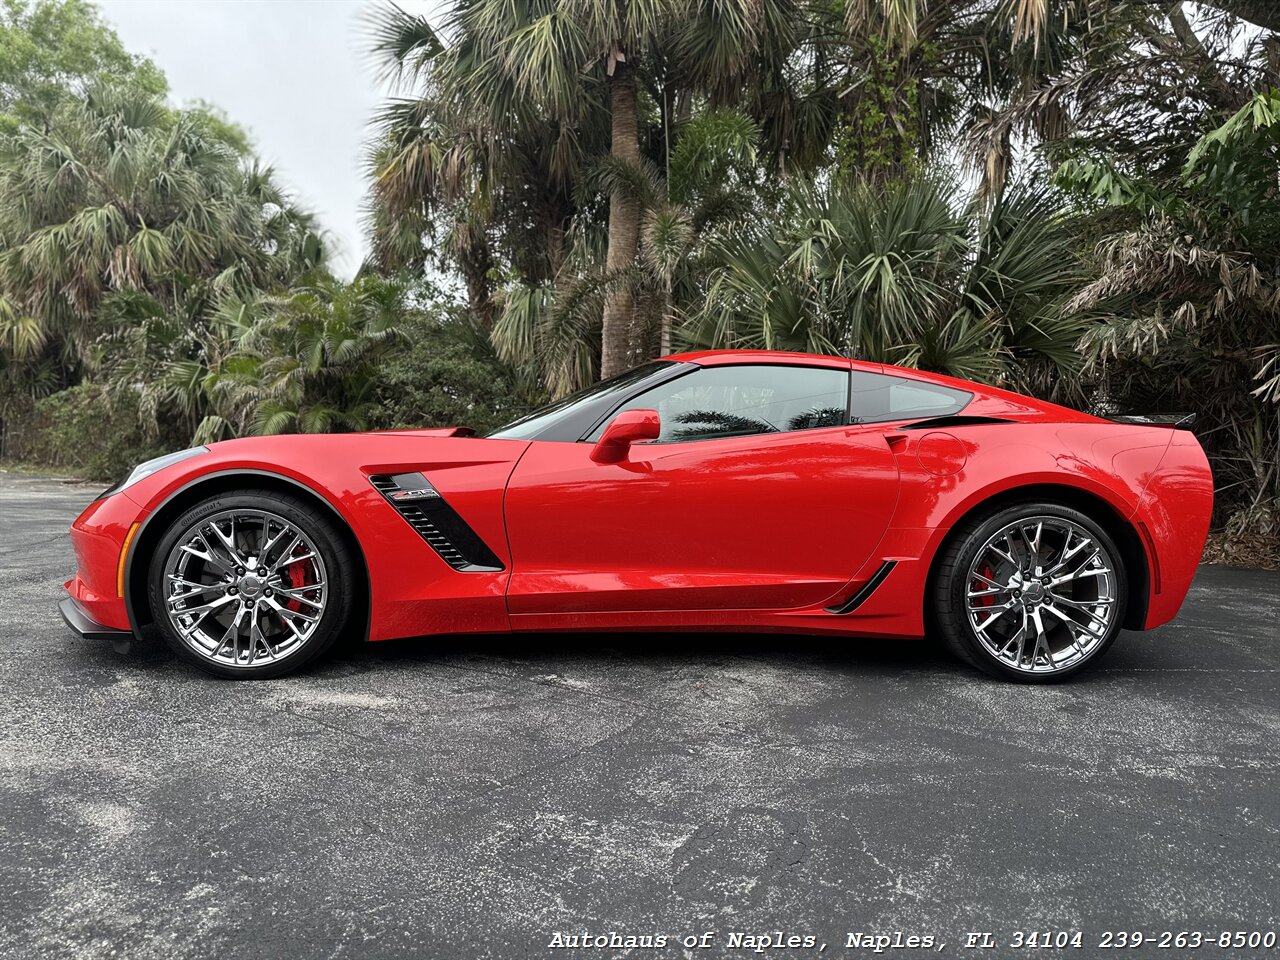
{"x": 668, "y": 320}
{"x": 475, "y": 261}
{"x": 624, "y": 228}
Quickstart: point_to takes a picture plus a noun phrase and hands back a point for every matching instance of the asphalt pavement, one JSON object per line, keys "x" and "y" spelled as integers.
{"x": 489, "y": 797}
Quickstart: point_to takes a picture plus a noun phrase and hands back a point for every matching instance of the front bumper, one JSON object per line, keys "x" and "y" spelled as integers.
{"x": 90, "y": 629}
{"x": 98, "y": 537}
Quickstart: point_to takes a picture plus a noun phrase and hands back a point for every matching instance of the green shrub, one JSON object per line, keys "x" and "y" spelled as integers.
{"x": 444, "y": 377}
{"x": 84, "y": 429}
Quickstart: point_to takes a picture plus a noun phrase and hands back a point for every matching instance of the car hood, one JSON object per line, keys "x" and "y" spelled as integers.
{"x": 430, "y": 432}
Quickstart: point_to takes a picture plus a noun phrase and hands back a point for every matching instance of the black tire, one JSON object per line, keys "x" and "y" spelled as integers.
{"x": 950, "y": 592}
{"x": 340, "y": 566}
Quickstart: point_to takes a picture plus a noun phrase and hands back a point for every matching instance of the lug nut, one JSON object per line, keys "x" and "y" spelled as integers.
{"x": 266, "y": 592}
{"x": 262, "y": 571}
{"x": 233, "y": 590}
{"x": 240, "y": 571}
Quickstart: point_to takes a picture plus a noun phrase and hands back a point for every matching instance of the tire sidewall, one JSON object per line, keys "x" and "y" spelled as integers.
{"x": 327, "y": 541}
{"x": 954, "y": 593}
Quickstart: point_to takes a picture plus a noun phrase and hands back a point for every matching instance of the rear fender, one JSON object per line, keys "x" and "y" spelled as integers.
{"x": 1108, "y": 463}
{"x": 1173, "y": 518}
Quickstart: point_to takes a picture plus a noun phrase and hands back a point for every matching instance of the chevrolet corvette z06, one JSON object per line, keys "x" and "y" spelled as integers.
{"x": 725, "y": 490}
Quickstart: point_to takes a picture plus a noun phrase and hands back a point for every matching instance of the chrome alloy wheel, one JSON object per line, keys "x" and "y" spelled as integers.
{"x": 1041, "y": 594}
{"x": 244, "y": 587}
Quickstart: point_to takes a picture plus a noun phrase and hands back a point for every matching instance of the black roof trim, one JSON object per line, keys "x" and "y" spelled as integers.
{"x": 954, "y": 421}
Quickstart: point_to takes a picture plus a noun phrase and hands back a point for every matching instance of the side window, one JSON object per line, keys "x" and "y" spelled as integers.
{"x": 742, "y": 400}
{"x": 879, "y": 397}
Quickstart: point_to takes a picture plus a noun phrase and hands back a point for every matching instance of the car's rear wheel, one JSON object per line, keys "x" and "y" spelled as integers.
{"x": 251, "y": 584}
{"x": 1034, "y": 592}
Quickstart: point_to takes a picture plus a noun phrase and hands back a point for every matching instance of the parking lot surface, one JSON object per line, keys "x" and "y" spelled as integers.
{"x": 475, "y": 797}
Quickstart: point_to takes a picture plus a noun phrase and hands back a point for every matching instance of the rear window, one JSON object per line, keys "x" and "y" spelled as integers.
{"x": 878, "y": 397}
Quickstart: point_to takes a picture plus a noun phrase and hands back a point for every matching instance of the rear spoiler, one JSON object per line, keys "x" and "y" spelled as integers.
{"x": 1176, "y": 421}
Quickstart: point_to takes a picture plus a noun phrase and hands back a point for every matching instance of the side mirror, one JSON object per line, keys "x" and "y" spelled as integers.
{"x": 625, "y": 429}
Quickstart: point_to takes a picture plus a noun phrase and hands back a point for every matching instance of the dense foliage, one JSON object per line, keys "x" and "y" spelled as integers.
{"x": 50, "y": 50}
{"x": 1076, "y": 198}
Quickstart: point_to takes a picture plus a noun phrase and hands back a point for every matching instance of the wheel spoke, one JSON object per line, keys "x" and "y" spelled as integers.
{"x": 987, "y": 580}
{"x": 1073, "y": 628}
{"x": 296, "y": 593}
{"x": 226, "y": 635}
{"x": 227, "y": 543}
{"x": 208, "y": 555}
{"x": 1084, "y": 604}
{"x": 988, "y": 607}
{"x": 211, "y": 605}
{"x": 1022, "y": 638}
{"x": 1069, "y": 552}
{"x": 1006, "y": 556}
{"x": 988, "y": 593}
{"x": 305, "y": 617}
{"x": 280, "y": 611}
{"x": 1042, "y": 640}
{"x": 284, "y": 557}
{"x": 1080, "y": 575}
{"x": 1100, "y": 621}
{"x": 266, "y": 643}
{"x": 255, "y": 638}
{"x": 195, "y": 591}
{"x": 1019, "y": 637}
{"x": 224, "y": 541}
{"x": 269, "y": 545}
{"x": 1032, "y": 550}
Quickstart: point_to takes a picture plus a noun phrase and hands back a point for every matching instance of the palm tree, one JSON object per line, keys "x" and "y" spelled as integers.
{"x": 489, "y": 193}
{"x": 534, "y": 92}
{"x": 542, "y": 64}
{"x": 1075, "y": 76}
{"x": 122, "y": 193}
{"x": 715, "y": 183}
{"x": 896, "y": 274}
{"x": 305, "y": 361}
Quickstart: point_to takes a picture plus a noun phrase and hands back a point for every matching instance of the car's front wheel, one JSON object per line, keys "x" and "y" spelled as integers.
{"x": 1034, "y": 592}
{"x": 251, "y": 584}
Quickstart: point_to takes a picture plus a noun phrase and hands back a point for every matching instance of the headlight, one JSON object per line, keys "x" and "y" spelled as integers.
{"x": 144, "y": 470}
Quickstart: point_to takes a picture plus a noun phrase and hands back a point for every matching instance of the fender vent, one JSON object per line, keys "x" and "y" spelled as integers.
{"x": 415, "y": 499}
{"x": 868, "y": 588}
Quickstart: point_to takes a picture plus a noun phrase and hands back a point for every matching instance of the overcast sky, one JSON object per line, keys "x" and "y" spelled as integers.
{"x": 294, "y": 73}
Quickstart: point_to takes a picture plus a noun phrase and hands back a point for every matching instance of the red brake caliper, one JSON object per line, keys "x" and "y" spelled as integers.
{"x": 297, "y": 578}
{"x": 989, "y": 600}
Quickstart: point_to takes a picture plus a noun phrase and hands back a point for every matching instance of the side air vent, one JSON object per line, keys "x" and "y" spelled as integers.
{"x": 867, "y": 589}
{"x": 415, "y": 499}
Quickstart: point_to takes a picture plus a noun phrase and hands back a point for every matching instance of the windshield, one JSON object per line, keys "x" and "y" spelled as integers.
{"x": 599, "y": 398}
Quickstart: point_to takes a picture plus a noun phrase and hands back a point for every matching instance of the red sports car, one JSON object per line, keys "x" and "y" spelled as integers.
{"x": 727, "y": 490}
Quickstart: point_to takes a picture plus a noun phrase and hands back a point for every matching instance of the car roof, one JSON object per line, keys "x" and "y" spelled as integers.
{"x": 988, "y": 400}
{"x": 713, "y": 358}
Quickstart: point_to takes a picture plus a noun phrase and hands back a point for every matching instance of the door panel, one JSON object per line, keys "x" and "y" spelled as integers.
{"x": 762, "y": 521}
